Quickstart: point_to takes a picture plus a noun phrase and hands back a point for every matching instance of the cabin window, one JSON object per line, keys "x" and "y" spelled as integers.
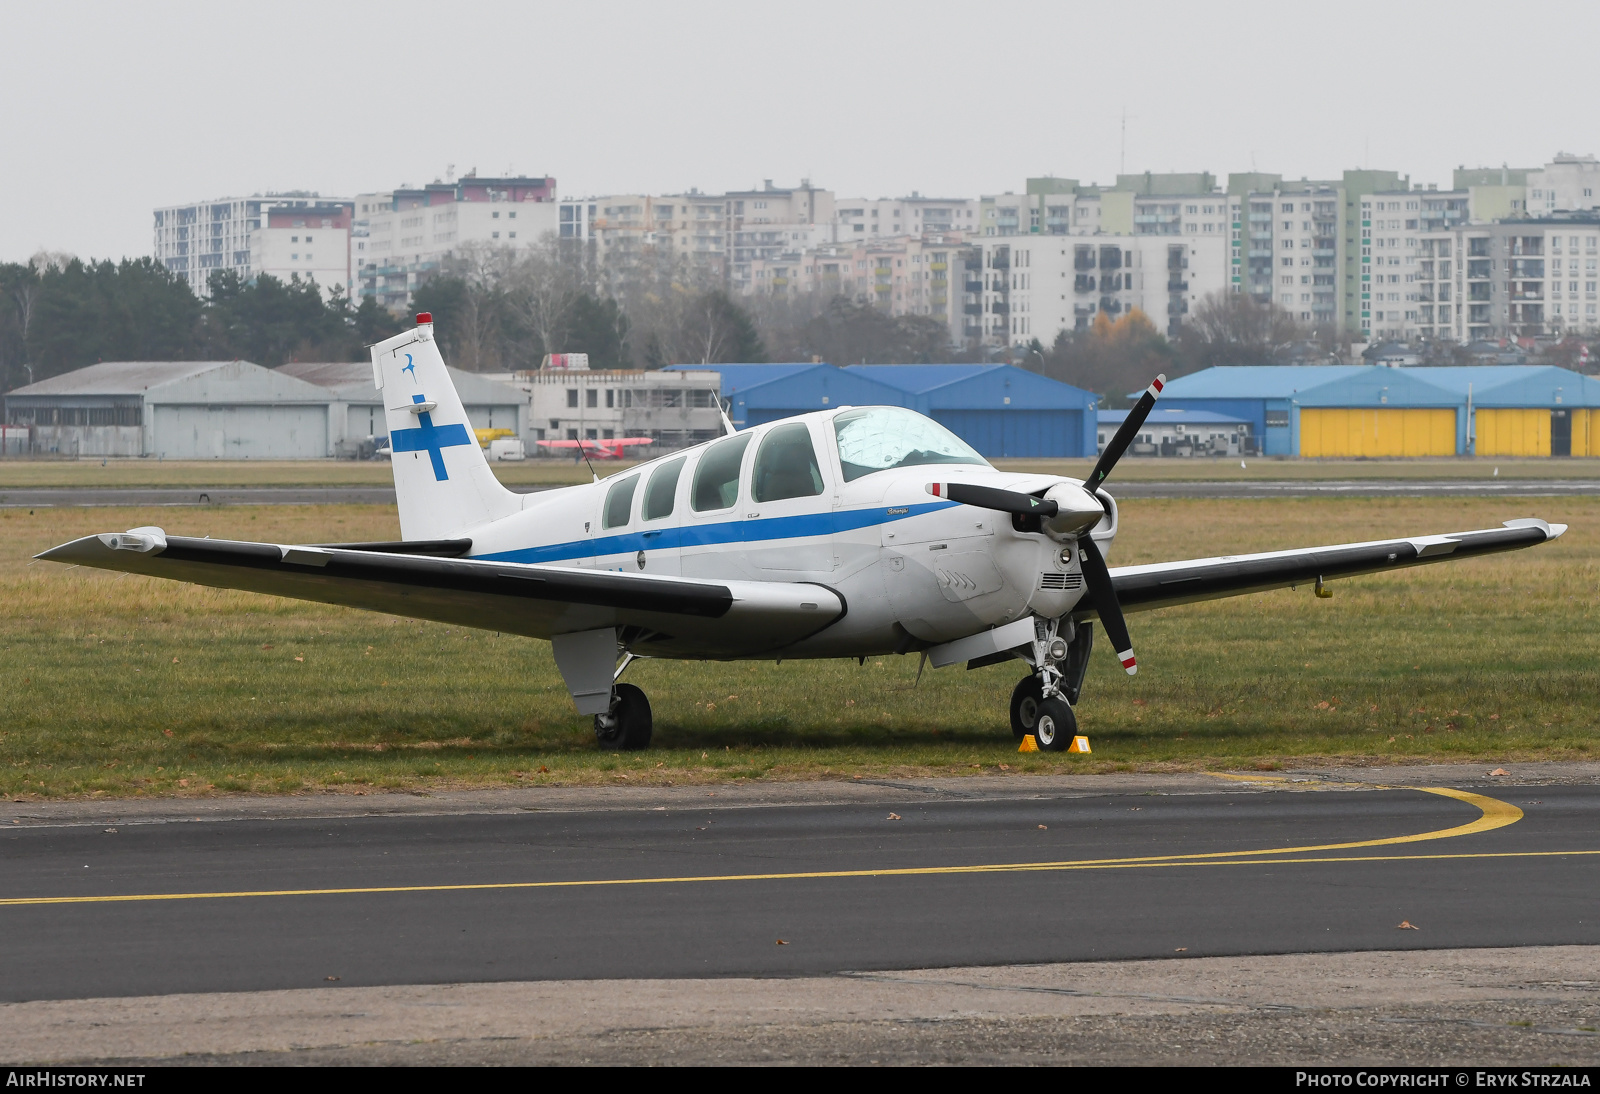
{"x": 619, "y": 503}
{"x": 663, "y": 489}
{"x": 786, "y": 465}
{"x": 716, "y": 479}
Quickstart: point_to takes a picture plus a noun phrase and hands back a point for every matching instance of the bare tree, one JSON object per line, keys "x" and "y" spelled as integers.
{"x": 1234, "y": 329}
{"x": 542, "y": 287}
{"x": 478, "y": 327}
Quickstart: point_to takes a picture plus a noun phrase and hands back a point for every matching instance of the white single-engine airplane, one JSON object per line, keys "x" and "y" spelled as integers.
{"x": 852, "y": 532}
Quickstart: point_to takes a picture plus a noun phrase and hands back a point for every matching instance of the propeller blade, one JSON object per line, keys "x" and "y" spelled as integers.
{"x": 1103, "y": 595}
{"x": 1125, "y": 433}
{"x": 988, "y": 497}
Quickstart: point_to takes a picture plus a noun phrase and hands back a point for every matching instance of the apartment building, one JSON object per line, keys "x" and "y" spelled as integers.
{"x": 866, "y": 218}
{"x": 311, "y": 242}
{"x": 908, "y": 275}
{"x": 721, "y": 234}
{"x": 1048, "y": 206}
{"x": 1033, "y": 287}
{"x": 1533, "y": 277}
{"x": 626, "y": 227}
{"x": 399, "y": 238}
{"x": 1567, "y": 183}
{"x": 252, "y": 236}
{"x": 1432, "y": 270}
{"x": 772, "y": 221}
{"x": 1295, "y": 244}
{"x": 1390, "y": 232}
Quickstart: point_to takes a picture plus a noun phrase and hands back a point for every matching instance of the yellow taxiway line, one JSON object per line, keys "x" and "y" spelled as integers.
{"x": 1493, "y": 814}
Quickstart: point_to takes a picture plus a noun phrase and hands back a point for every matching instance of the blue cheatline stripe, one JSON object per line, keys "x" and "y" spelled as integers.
{"x": 730, "y": 531}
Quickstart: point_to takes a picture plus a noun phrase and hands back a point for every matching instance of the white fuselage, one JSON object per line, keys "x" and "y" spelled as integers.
{"x": 913, "y": 569}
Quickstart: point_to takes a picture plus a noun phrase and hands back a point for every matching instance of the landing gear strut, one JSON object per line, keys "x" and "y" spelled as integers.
{"x": 627, "y": 725}
{"x": 1041, "y": 703}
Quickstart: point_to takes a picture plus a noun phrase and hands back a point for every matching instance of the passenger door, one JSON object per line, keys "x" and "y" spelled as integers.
{"x": 788, "y": 521}
{"x": 616, "y": 542}
{"x": 709, "y": 534}
{"x": 660, "y": 518}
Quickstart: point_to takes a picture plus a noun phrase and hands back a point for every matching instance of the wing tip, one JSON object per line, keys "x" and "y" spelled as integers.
{"x": 1551, "y": 531}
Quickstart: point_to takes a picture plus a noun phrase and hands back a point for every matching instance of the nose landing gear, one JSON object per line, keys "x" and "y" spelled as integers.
{"x": 1041, "y": 703}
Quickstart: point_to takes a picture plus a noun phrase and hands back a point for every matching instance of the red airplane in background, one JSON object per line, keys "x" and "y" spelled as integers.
{"x": 610, "y": 449}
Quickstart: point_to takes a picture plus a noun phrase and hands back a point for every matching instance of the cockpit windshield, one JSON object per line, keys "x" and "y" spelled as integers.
{"x": 879, "y": 438}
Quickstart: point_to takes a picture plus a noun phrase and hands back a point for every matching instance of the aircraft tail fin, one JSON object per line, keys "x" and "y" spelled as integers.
{"x": 441, "y": 478}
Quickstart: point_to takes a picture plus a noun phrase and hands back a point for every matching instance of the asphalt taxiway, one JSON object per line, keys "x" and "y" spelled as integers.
{"x": 108, "y": 901}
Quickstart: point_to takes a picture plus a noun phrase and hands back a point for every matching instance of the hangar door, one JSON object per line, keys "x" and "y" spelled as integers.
{"x": 1342, "y": 431}
{"x": 1535, "y": 431}
{"x": 997, "y": 433}
{"x": 240, "y": 432}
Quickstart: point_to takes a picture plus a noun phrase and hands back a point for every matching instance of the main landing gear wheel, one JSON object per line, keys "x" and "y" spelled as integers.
{"x": 1055, "y": 725}
{"x": 627, "y": 724}
{"x": 1025, "y": 700}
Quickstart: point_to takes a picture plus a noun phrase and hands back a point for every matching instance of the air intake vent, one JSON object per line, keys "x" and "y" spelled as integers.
{"x": 1060, "y": 581}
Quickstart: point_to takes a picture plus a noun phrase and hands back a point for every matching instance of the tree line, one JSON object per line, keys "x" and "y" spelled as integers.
{"x": 496, "y": 310}
{"x": 59, "y": 313}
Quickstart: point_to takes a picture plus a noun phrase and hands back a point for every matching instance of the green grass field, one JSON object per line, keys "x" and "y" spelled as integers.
{"x": 120, "y": 685}
{"x": 19, "y": 474}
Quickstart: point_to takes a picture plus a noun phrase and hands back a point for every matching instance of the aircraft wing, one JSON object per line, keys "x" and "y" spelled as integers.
{"x": 1140, "y": 588}
{"x": 669, "y": 615}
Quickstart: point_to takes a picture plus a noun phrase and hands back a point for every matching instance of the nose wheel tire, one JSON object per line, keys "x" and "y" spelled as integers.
{"x": 627, "y": 725}
{"x": 1055, "y": 725}
{"x": 1025, "y": 700}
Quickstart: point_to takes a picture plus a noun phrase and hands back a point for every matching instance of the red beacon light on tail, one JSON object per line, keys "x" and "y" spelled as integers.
{"x": 424, "y": 317}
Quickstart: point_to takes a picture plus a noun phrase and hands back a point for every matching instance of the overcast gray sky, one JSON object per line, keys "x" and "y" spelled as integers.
{"x": 112, "y": 109}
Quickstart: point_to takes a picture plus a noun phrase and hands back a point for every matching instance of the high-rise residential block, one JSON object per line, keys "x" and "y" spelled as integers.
{"x": 400, "y": 238}
{"x": 1567, "y": 183}
{"x": 1034, "y": 287}
{"x": 1531, "y": 277}
{"x": 294, "y": 234}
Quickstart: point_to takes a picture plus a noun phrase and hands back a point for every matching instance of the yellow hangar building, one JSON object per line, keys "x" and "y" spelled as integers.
{"x": 1351, "y": 411}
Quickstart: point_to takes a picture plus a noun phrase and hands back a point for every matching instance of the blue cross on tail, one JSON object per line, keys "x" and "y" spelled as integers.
{"x": 429, "y": 438}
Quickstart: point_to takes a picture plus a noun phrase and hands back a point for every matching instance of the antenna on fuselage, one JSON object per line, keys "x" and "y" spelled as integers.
{"x": 722, "y": 412}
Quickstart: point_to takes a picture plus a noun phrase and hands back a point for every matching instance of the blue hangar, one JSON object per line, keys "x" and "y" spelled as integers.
{"x": 1000, "y": 410}
{"x": 1346, "y": 411}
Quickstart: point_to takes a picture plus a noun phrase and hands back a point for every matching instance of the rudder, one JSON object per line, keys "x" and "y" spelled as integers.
{"x": 441, "y": 479}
